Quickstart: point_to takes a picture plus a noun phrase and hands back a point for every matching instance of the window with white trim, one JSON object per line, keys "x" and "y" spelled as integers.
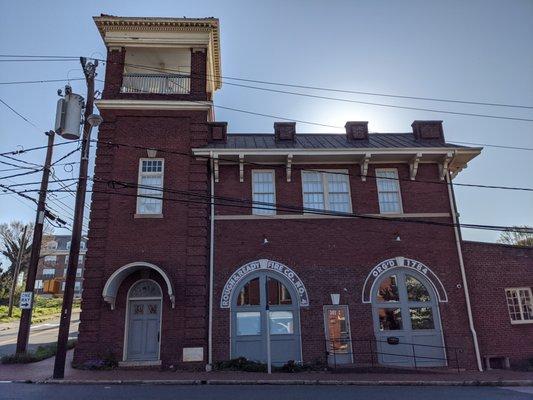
{"x": 38, "y": 284}
{"x": 150, "y": 185}
{"x": 263, "y": 191}
{"x": 49, "y": 272}
{"x": 328, "y": 191}
{"x": 390, "y": 199}
{"x": 50, "y": 259}
{"x": 520, "y": 305}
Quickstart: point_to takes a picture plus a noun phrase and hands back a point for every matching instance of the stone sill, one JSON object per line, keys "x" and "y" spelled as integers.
{"x": 141, "y": 216}
{"x": 154, "y": 363}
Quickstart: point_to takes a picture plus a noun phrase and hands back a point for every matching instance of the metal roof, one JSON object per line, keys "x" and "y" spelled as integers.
{"x": 325, "y": 141}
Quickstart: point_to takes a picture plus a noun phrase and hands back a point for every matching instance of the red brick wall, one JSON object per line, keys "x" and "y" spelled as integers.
{"x": 177, "y": 242}
{"x": 491, "y": 268}
{"x": 334, "y": 254}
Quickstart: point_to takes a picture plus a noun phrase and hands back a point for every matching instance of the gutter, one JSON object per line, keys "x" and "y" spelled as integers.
{"x": 211, "y": 266}
{"x": 458, "y": 239}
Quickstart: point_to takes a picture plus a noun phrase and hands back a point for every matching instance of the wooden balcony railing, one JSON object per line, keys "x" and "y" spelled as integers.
{"x": 156, "y": 83}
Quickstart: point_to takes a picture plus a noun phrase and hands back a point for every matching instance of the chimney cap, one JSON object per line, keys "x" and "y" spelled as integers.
{"x": 285, "y": 131}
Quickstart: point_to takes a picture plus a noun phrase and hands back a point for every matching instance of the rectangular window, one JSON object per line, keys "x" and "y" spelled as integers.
{"x": 520, "y": 305}
{"x": 248, "y": 323}
{"x": 38, "y": 284}
{"x": 77, "y": 286}
{"x": 281, "y": 322}
{"x": 328, "y": 191}
{"x": 390, "y": 201}
{"x": 78, "y": 272}
{"x": 50, "y": 259}
{"x": 150, "y": 193}
{"x": 337, "y": 324}
{"x": 263, "y": 191}
{"x": 49, "y": 272}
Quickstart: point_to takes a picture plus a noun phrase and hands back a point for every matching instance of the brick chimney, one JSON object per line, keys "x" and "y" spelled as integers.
{"x": 357, "y": 130}
{"x": 285, "y": 131}
{"x": 428, "y": 130}
{"x": 217, "y": 131}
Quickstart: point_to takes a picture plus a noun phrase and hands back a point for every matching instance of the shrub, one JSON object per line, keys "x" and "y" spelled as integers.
{"x": 240, "y": 364}
{"x": 39, "y": 354}
{"x": 104, "y": 362}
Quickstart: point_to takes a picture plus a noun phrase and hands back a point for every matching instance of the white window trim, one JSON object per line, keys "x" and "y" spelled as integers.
{"x": 399, "y": 189}
{"x": 137, "y": 212}
{"x": 274, "y": 210}
{"x": 325, "y": 187}
{"x": 517, "y": 289}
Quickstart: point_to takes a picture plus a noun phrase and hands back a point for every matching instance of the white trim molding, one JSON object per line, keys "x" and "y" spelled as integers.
{"x": 109, "y": 293}
{"x": 153, "y": 105}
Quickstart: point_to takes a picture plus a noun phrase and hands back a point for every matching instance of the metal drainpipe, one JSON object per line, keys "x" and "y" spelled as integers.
{"x": 463, "y": 272}
{"x": 211, "y": 265}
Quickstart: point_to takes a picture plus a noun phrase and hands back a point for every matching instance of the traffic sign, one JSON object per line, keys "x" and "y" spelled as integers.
{"x": 25, "y": 300}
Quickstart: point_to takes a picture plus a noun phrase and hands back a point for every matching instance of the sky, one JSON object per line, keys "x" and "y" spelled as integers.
{"x": 476, "y": 51}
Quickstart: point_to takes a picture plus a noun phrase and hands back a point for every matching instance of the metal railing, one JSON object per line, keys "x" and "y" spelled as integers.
{"x": 372, "y": 353}
{"x": 156, "y": 83}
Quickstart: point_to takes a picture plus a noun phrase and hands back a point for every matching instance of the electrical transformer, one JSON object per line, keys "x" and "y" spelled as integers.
{"x": 68, "y": 116}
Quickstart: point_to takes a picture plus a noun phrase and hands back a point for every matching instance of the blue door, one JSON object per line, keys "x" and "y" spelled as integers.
{"x": 406, "y": 320}
{"x": 144, "y": 321}
{"x": 265, "y": 309}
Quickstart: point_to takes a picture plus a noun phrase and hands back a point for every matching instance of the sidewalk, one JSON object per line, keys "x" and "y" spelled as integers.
{"x": 41, "y": 373}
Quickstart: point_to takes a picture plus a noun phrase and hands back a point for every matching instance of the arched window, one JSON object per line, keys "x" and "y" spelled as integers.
{"x": 145, "y": 289}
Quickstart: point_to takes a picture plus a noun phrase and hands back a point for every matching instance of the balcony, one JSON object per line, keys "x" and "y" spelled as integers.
{"x": 156, "y": 83}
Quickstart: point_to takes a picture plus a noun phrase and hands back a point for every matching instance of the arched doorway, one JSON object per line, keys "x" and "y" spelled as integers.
{"x": 265, "y": 309}
{"x": 143, "y": 321}
{"x": 406, "y": 320}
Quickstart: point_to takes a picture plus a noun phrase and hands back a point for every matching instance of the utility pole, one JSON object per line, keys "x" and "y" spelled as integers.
{"x": 16, "y": 271}
{"x": 90, "y": 120}
{"x": 25, "y": 318}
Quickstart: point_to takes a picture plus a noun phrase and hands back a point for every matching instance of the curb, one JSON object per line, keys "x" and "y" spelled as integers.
{"x": 284, "y": 382}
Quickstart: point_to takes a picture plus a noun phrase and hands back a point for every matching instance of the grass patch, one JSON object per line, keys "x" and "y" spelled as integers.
{"x": 39, "y": 354}
{"x": 43, "y": 308}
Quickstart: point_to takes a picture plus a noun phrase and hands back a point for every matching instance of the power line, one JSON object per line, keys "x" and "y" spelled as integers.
{"x": 289, "y": 208}
{"x": 17, "y": 113}
{"x": 295, "y": 167}
{"x": 41, "y": 81}
{"x": 150, "y": 68}
{"x": 22, "y": 151}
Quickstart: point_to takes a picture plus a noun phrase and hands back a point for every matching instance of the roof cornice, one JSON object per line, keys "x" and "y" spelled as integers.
{"x": 109, "y": 23}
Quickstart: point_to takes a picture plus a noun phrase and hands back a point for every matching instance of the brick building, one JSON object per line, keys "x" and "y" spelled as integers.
{"x": 206, "y": 246}
{"x": 52, "y": 267}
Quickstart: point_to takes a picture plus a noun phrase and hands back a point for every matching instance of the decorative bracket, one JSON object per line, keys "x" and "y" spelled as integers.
{"x": 215, "y": 167}
{"x": 457, "y": 170}
{"x": 364, "y": 166}
{"x": 413, "y": 166}
{"x": 289, "y": 167}
{"x": 445, "y": 165}
{"x": 241, "y": 167}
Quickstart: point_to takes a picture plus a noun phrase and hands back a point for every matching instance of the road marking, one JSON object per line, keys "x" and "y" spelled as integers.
{"x": 32, "y": 334}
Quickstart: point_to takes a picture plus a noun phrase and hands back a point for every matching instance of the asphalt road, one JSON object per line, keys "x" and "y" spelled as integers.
{"x": 40, "y": 334}
{"x": 233, "y": 392}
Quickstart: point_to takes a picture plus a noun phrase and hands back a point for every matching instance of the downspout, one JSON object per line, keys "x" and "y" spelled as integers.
{"x": 211, "y": 265}
{"x": 458, "y": 240}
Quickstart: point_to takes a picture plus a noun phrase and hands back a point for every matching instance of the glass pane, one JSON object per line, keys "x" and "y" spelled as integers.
{"x": 388, "y": 191}
{"x": 422, "y": 318}
{"x": 277, "y": 292}
{"x": 527, "y": 307}
{"x": 281, "y": 322}
{"x": 313, "y": 191}
{"x": 338, "y": 192}
{"x": 339, "y": 335}
{"x": 248, "y": 323}
{"x": 249, "y": 294}
{"x": 263, "y": 192}
{"x": 513, "y": 305}
{"x": 390, "y": 319}
{"x": 416, "y": 291}
{"x": 388, "y": 289}
{"x": 145, "y": 289}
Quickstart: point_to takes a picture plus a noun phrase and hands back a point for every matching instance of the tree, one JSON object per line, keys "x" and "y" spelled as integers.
{"x": 518, "y": 236}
